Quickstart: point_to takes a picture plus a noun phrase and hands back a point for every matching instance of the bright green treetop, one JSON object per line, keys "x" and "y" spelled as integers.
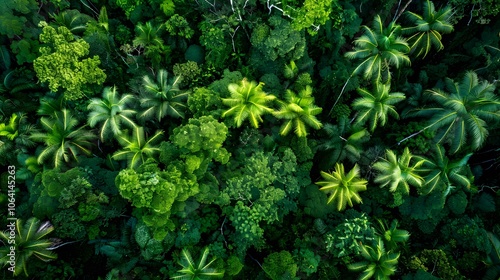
{"x": 61, "y": 62}
{"x": 379, "y": 49}
{"x": 343, "y": 188}
{"x": 299, "y": 110}
{"x": 248, "y": 101}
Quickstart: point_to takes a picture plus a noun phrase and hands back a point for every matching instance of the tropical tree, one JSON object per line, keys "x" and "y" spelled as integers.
{"x": 163, "y": 97}
{"x": 136, "y": 149}
{"x": 29, "y": 241}
{"x": 299, "y": 110}
{"x": 460, "y": 117}
{"x": 428, "y": 28}
{"x": 247, "y": 100}
{"x": 343, "y": 141}
{"x": 111, "y": 111}
{"x": 343, "y": 188}
{"x": 378, "y": 264}
{"x": 442, "y": 174}
{"x": 375, "y": 107}
{"x": 391, "y": 235}
{"x": 63, "y": 140}
{"x": 399, "y": 173}
{"x": 379, "y": 49}
{"x": 199, "y": 271}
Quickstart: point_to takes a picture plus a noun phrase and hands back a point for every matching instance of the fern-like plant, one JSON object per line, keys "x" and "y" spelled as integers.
{"x": 343, "y": 188}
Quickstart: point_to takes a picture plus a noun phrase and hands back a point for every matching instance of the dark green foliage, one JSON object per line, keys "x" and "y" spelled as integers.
{"x": 435, "y": 261}
{"x": 469, "y": 234}
{"x": 457, "y": 202}
{"x": 280, "y": 265}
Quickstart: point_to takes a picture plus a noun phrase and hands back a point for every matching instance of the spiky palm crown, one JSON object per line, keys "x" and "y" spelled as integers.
{"x": 136, "y": 149}
{"x": 63, "y": 140}
{"x": 247, "y": 101}
{"x": 460, "y": 117}
{"x": 377, "y": 105}
{"x": 399, "y": 173}
{"x": 428, "y": 28}
{"x": 111, "y": 111}
{"x": 163, "y": 97}
{"x": 193, "y": 271}
{"x": 343, "y": 188}
{"x": 29, "y": 241}
{"x": 443, "y": 174}
{"x": 147, "y": 35}
{"x": 378, "y": 264}
{"x": 299, "y": 110}
{"x": 379, "y": 48}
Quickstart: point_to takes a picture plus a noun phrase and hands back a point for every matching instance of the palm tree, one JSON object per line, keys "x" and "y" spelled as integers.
{"x": 28, "y": 241}
{"x": 147, "y": 35}
{"x": 136, "y": 149}
{"x": 248, "y": 100}
{"x": 461, "y": 115}
{"x": 399, "y": 173}
{"x": 63, "y": 140}
{"x": 163, "y": 97}
{"x": 343, "y": 141}
{"x": 443, "y": 174}
{"x": 378, "y": 263}
{"x": 379, "y": 48}
{"x": 428, "y": 28}
{"x": 391, "y": 235}
{"x": 200, "y": 271}
{"x": 299, "y": 111}
{"x": 375, "y": 106}
{"x": 343, "y": 188}
{"x": 111, "y": 111}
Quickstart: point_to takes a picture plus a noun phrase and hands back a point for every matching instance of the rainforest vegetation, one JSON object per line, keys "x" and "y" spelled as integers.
{"x": 249, "y": 139}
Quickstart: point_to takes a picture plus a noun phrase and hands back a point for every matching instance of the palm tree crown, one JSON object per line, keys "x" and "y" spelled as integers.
{"x": 343, "y": 187}
{"x": 63, "y": 139}
{"x": 441, "y": 174}
{"x": 136, "y": 149}
{"x": 428, "y": 28}
{"x": 399, "y": 173}
{"x": 193, "y": 271}
{"x": 461, "y": 115}
{"x": 379, "y": 48}
{"x": 29, "y": 241}
{"x": 375, "y": 106}
{"x": 111, "y": 111}
{"x": 378, "y": 264}
{"x": 163, "y": 97}
{"x": 247, "y": 100}
{"x": 299, "y": 111}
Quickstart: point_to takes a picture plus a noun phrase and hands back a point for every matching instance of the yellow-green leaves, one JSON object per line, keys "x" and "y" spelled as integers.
{"x": 61, "y": 63}
{"x": 247, "y": 101}
{"x": 343, "y": 188}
